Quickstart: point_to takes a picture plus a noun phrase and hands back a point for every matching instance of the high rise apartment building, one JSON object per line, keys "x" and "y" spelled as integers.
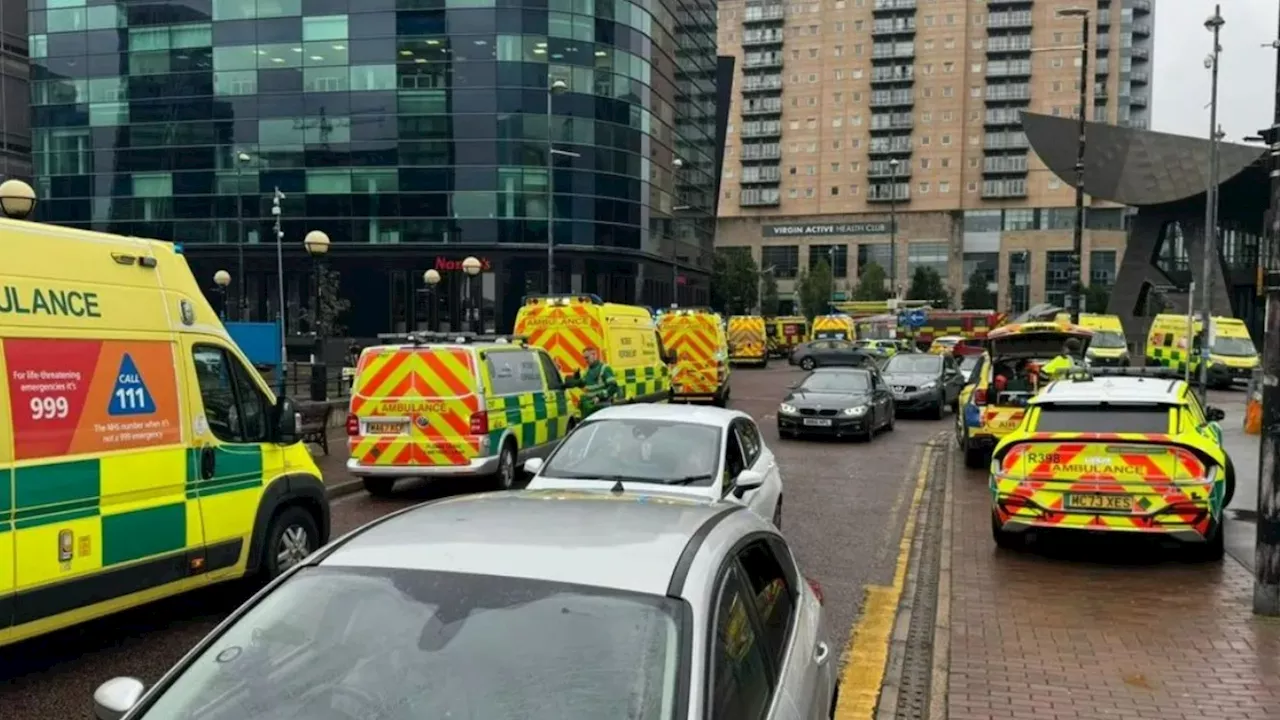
{"x": 848, "y": 112}
{"x": 15, "y": 103}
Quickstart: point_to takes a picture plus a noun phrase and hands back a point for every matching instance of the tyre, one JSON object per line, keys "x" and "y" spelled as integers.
{"x": 808, "y": 363}
{"x": 938, "y": 409}
{"x": 379, "y": 486}
{"x": 291, "y": 537}
{"x": 893, "y": 416}
{"x": 1231, "y": 483}
{"x": 1004, "y": 539}
{"x": 976, "y": 458}
{"x": 504, "y": 478}
{"x": 1213, "y": 548}
{"x": 777, "y": 514}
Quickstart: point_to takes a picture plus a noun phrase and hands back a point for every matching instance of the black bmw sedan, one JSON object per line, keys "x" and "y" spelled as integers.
{"x": 837, "y": 401}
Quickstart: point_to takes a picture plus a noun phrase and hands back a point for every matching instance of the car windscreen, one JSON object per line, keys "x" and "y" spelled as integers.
{"x": 836, "y": 382}
{"x": 1104, "y": 418}
{"x": 344, "y": 643}
{"x": 635, "y": 450}
{"x": 968, "y": 363}
{"x": 914, "y": 364}
{"x": 1107, "y": 340}
{"x": 1234, "y": 347}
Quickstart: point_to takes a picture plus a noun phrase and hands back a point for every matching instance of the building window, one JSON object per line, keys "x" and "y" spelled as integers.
{"x": 785, "y": 260}
{"x": 1057, "y": 219}
{"x": 1019, "y": 281}
{"x": 985, "y": 264}
{"x": 1102, "y": 268}
{"x": 928, "y": 254}
{"x": 878, "y": 253}
{"x": 1023, "y": 219}
{"x": 1057, "y": 276}
{"x": 837, "y": 256}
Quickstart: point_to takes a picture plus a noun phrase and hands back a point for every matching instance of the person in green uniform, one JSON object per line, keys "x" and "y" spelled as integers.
{"x": 1065, "y": 362}
{"x": 599, "y": 382}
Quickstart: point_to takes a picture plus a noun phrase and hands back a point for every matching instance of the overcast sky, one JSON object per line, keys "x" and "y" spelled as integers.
{"x": 1246, "y": 82}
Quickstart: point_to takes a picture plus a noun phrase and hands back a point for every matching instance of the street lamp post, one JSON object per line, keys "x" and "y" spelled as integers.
{"x": 471, "y": 266}
{"x": 431, "y": 278}
{"x": 221, "y": 280}
{"x": 1214, "y": 25}
{"x": 893, "y": 227}
{"x": 1075, "y": 299}
{"x": 17, "y": 199}
{"x": 242, "y": 303}
{"x": 676, "y": 165}
{"x": 557, "y": 87}
{"x": 317, "y": 244}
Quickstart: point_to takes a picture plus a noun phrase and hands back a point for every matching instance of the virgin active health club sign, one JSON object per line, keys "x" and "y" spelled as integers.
{"x": 826, "y": 229}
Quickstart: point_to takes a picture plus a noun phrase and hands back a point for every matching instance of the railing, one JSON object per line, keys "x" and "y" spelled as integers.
{"x": 893, "y": 26}
{"x": 761, "y": 151}
{"x": 762, "y": 61}
{"x": 895, "y": 73}
{"x": 1139, "y": 77}
{"x": 1009, "y": 19}
{"x": 900, "y": 50}
{"x": 755, "y": 198}
{"x": 761, "y": 174}
{"x": 1139, "y": 99}
{"x": 1018, "y": 68}
{"x": 1005, "y": 164}
{"x": 883, "y": 169}
{"x": 1016, "y": 43}
{"x": 769, "y": 106}
{"x": 763, "y": 14}
{"x": 761, "y": 37}
{"x": 765, "y": 129}
{"x": 1009, "y": 92}
{"x": 881, "y": 98}
{"x": 884, "y": 192}
{"x": 761, "y": 83}
{"x": 1139, "y": 53}
{"x": 894, "y": 5}
{"x": 1004, "y": 188}
{"x": 1142, "y": 29}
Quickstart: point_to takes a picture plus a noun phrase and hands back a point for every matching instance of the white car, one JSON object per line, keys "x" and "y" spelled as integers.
{"x": 691, "y": 451}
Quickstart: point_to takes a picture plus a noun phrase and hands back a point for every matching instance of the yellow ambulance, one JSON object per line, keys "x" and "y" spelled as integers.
{"x": 1232, "y": 356}
{"x": 747, "y": 340}
{"x": 141, "y": 455}
{"x": 1108, "y": 347}
{"x": 833, "y": 327}
{"x": 697, "y": 338}
{"x": 626, "y": 337}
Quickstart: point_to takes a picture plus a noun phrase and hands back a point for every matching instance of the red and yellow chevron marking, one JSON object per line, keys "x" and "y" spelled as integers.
{"x": 428, "y": 395}
{"x": 695, "y": 341}
{"x": 564, "y": 331}
{"x": 746, "y": 337}
{"x": 830, "y": 323}
{"x": 1000, "y": 421}
{"x": 1130, "y": 482}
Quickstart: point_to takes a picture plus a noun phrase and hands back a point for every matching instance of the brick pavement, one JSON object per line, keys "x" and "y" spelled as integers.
{"x": 1100, "y": 630}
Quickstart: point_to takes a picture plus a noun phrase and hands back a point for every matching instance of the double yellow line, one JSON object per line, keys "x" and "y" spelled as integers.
{"x": 868, "y": 649}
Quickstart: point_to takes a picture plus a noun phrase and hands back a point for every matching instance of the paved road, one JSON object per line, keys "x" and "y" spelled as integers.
{"x": 844, "y": 508}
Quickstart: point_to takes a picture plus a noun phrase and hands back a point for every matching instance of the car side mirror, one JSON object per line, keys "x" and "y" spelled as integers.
{"x": 288, "y": 422}
{"x": 533, "y": 465}
{"x": 1213, "y": 414}
{"x": 746, "y": 481}
{"x": 116, "y": 697}
{"x": 670, "y": 357}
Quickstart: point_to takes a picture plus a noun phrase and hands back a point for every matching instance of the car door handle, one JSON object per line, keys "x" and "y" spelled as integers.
{"x": 208, "y": 465}
{"x": 820, "y": 653}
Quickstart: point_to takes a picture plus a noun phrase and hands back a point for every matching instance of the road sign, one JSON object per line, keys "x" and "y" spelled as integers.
{"x": 914, "y": 319}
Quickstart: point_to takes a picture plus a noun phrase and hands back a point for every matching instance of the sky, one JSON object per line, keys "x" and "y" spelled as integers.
{"x": 1246, "y": 78}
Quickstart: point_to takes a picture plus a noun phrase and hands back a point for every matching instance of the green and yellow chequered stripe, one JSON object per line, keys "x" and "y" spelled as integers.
{"x": 61, "y": 493}
{"x": 1170, "y": 358}
{"x": 645, "y": 382}
{"x": 533, "y": 418}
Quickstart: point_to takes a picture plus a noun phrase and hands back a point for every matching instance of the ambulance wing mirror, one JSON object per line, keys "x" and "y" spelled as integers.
{"x": 1213, "y": 414}
{"x": 288, "y": 421}
{"x": 669, "y": 357}
{"x": 116, "y": 697}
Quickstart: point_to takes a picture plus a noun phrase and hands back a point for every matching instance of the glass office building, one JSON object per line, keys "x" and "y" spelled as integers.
{"x": 413, "y": 132}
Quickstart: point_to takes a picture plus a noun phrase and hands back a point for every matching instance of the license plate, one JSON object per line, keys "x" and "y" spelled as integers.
{"x": 899, "y": 389}
{"x": 1123, "y": 503}
{"x": 817, "y": 422}
{"x": 384, "y": 428}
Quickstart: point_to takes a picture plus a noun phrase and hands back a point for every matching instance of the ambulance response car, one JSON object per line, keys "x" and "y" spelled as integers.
{"x": 785, "y": 333}
{"x": 1108, "y": 347}
{"x": 833, "y": 327}
{"x": 993, "y": 402}
{"x": 626, "y": 336}
{"x": 1232, "y": 356}
{"x": 1119, "y": 454}
{"x": 697, "y": 339}
{"x": 434, "y": 405}
{"x": 747, "y": 340}
{"x": 141, "y": 455}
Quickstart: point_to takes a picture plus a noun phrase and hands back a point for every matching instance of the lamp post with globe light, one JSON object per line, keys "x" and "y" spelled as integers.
{"x": 471, "y": 266}
{"x": 317, "y": 244}
{"x": 17, "y": 199}
{"x": 221, "y": 280}
{"x": 431, "y": 278}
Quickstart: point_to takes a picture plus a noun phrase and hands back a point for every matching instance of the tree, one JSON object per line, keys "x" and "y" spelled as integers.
{"x": 1096, "y": 299}
{"x": 926, "y": 284}
{"x": 333, "y": 306}
{"x": 815, "y": 289}
{"x": 978, "y": 296}
{"x": 734, "y": 281}
{"x": 769, "y": 295}
{"x": 871, "y": 283}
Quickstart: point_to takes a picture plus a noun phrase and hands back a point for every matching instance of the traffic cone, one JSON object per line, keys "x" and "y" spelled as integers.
{"x": 1253, "y": 410}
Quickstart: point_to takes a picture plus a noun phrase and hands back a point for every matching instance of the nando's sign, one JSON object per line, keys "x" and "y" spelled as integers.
{"x": 448, "y": 264}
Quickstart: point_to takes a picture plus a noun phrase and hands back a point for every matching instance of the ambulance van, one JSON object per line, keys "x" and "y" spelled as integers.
{"x": 1232, "y": 354}
{"x": 141, "y": 455}
{"x": 697, "y": 338}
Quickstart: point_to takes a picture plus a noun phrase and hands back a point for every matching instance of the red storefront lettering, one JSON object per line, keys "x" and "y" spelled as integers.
{"x": 444, "y": 264}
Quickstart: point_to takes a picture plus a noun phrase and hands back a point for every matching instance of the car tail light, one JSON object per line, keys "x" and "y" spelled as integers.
{"x": 479, "y": 423}
{"x": 980, "y": 396}
{"x": 353, "y": 425}
{"x": 817, "y": 590}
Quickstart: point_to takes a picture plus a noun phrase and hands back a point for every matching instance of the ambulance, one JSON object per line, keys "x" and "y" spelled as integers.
{"x": 141, "y": 455}
{"x": 697, "y": 338}
{"x": 748, "y": 343}
{"x": 1108, "y": 348}
{"x": 833, "y": 327}
{"x": 1232, "y": 354}
{"x": 785, "y": 333}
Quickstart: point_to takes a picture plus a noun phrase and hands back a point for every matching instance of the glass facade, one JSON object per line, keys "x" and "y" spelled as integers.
{"x": 413, "y": 132}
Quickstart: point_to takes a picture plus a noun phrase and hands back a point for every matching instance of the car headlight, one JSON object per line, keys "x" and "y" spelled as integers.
{"x": 856, "y": 411}
{"x": 929, "y": 385}
{"x": 787, "y": 409}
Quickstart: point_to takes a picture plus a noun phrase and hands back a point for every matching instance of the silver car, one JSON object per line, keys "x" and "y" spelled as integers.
{"x": 538, "y": 605}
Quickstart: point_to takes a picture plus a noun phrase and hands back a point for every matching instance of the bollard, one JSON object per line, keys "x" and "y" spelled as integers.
{"x": 1253, "y": 408}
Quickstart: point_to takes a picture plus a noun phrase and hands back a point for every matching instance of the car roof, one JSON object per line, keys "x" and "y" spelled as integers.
{"x": 693, "y": 414}
{"x": 625, "y": 541}
{"x": 1114, "y": 390}
{"x": 468, "y": 346}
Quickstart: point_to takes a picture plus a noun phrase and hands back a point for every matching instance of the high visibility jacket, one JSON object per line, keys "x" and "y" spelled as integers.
{"x": 1058, "y": 367}
{"x": 600, "y": 384}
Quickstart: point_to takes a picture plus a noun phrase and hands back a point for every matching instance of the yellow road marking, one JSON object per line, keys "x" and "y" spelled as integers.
{"x": 868, "y": 648}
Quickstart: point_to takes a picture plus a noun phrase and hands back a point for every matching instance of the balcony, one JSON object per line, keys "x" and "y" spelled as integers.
{"x": 1008, "y": 3}
{"x": 1103, "y": 43}
{"x": 758, "y": 38}
{"x": 759, "y": 197}
{"x": 1018, "y": 92}
{"x": 1009, "y": 68}
{"x": 891, "y": 98}
{"x": 761, "y": 175}
{"x": 761, "y": 151}
{"x": 1138, "y": 99}
{"x": 1139, "y": 77}
{"x": 1140, "y": 7}
{"x": 1102, "y": 67}
{"x": 884, "y": 169}
{"x": 892, "y": 74}
{"x": 1009, "y": 44}
{"x": 769, "y": 14}
{"x": 1019, "y": 19}
{"x": 898, "y": 50}
{"x": 767, "y": 129}
{"x": 1141, "y": 30}
{"x": 762, "y": 83}
{"x": 884, "y": 192}
{"x": 1140, "y": 54}
{"x": 1005, "y": 141}
{"x": 893, "y": 26}
{"x": 1000, "y": 164}
{"x": 1004, "y": 116}
{"x": 757, "y": 61}
{"x": 882, "y": 5}
{"x": 890, "y": 146}
{"x": 763, "y": 106}
{"x": 890, "y": 122}
{"x": 1009, "y": 188}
